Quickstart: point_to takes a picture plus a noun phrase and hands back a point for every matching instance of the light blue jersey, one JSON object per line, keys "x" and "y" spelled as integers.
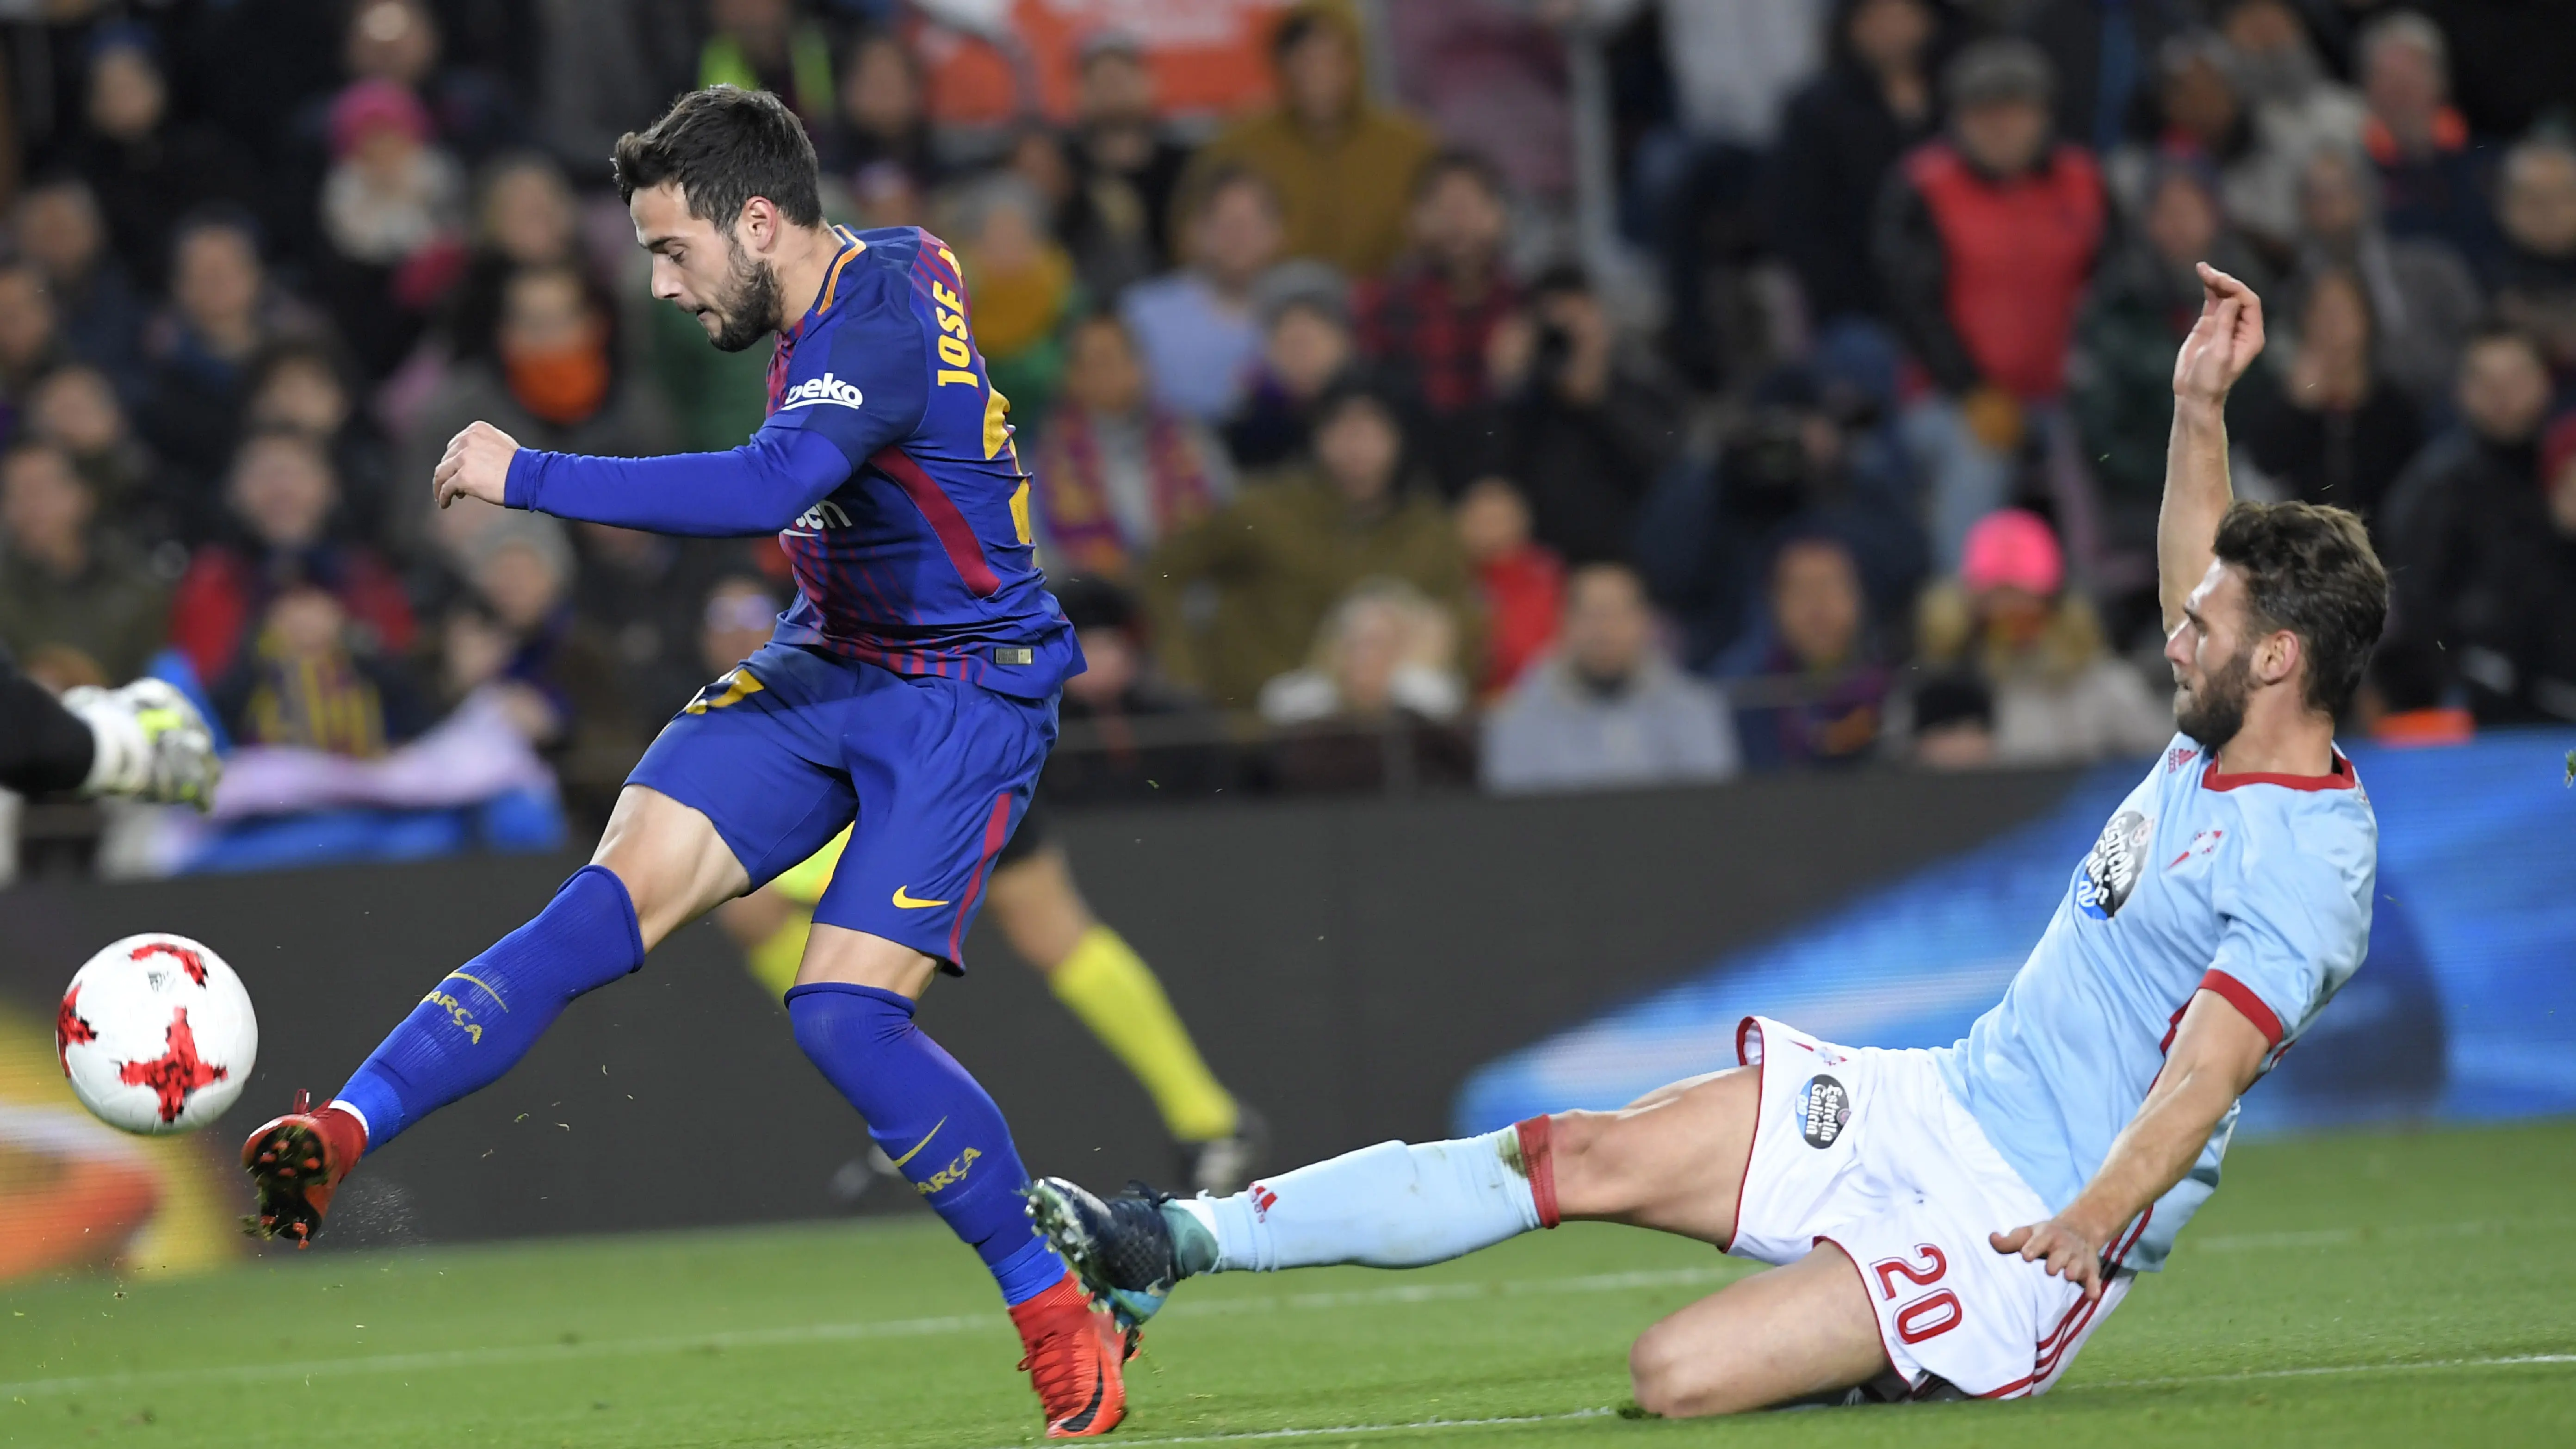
{"x": 2257, "y": 887}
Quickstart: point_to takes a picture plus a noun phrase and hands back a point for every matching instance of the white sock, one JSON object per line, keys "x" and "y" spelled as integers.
{"x": 1388, "y": 1206}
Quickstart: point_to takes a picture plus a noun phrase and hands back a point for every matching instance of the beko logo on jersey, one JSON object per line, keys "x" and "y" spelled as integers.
{"x": 817, "y": 392}
{"x": 2110, "y": 871}
{"x": 1824, "y": 1110}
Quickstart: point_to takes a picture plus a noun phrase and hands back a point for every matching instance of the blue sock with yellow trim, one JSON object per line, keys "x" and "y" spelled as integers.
{"x": 936, "y": 1122}
{"x": 483, "y": 1016}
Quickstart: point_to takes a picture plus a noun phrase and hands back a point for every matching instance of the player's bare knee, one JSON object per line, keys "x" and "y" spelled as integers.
{"x": 674, "y": 865}
{"x": 1595, "y": 1176}
{"x": 1670, "y": 1374}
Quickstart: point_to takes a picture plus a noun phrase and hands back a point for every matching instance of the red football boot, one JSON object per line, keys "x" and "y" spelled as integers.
{"x": 1076, "y": 1361}
{"x": 295, "y": 1162}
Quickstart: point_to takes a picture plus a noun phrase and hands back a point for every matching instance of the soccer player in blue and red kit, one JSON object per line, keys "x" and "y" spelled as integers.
{"x": 911, "y": 688}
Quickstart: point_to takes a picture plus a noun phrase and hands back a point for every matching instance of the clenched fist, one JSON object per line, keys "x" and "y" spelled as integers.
{"x": 477, "y": 465}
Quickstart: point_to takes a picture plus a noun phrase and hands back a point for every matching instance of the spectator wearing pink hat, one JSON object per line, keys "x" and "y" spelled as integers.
{"x": 2060, "y": 695}
{"x": 393, "y": 211}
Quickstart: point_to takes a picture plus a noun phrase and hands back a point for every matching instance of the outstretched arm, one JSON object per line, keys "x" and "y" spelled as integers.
{"x": 2217, "y": 1052}
{"x": 2223, "y": 343}
{"x": 757, "y": 488}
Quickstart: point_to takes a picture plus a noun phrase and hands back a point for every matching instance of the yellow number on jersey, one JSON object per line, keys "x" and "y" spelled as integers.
{"x": 997, "y": 423}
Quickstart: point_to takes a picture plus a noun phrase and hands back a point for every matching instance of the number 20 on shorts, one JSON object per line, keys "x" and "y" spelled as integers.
{"x": 1929, "y": 1316}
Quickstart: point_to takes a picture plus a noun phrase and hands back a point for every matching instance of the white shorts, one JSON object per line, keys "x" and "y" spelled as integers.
{"x": 1867, "y": 1149}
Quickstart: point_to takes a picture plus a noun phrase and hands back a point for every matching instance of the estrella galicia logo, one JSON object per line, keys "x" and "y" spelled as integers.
{"x": 2110, "y": 870}
{"x": 820, "y": 391}
{"x": 1824, "y": 1110}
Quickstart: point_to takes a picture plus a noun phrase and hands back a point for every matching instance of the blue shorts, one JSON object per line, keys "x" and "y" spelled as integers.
{"x": 931, "y": 774}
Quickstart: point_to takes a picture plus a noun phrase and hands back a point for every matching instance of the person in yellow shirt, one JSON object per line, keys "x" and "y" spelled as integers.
{"x": 1032, "y": 897}
{"x": 1341, "y": 164}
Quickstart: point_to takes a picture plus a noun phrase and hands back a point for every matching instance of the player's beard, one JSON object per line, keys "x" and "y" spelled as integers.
{"x": 2213, "y": 713}
{"x": 748, "y": 311}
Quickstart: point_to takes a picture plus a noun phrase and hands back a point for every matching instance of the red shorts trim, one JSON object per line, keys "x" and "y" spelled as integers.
{"x": 1749, "y": 1030}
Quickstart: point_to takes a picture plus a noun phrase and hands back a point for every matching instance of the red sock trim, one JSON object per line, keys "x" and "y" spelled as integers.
{"x": 1539, "y": 1162}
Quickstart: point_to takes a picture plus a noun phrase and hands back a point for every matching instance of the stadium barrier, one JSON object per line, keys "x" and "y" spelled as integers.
{"x": 1346, "y": 964}
{"x": 1357, "y": 969}
{"x": 2464, "y": 1010}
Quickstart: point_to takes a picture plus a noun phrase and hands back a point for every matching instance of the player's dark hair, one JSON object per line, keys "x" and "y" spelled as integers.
{"x": 723, "y": 146}
{"x": 2311, "y": 570}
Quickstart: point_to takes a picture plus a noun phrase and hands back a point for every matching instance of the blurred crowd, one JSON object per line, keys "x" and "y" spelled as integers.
{"x": 1364, "y": 459}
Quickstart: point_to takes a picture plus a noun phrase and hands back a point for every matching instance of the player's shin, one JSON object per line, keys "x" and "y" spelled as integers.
{"x": 1389, "y": 1206}
{"x": 936, "y": 1122}
{"x": 483, "y": 1016}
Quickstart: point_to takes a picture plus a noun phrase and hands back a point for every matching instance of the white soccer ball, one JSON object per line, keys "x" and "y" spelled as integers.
{"x": 156, "y": 1034}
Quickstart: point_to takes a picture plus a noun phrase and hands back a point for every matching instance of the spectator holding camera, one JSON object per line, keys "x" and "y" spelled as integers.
{"x": 1579, "y": 416}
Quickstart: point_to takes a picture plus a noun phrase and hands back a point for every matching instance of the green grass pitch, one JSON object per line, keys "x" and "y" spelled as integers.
{"x": 2397, "y": 1289}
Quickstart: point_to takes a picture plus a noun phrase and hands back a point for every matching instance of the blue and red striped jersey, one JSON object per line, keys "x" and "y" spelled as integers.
{"x": 886, "y": 468}
{"x": 921, "y": 561}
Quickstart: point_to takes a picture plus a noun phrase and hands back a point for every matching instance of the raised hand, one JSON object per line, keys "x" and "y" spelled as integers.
{"x": 477, "y": 465}
{"x": 2223, "y": 342}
